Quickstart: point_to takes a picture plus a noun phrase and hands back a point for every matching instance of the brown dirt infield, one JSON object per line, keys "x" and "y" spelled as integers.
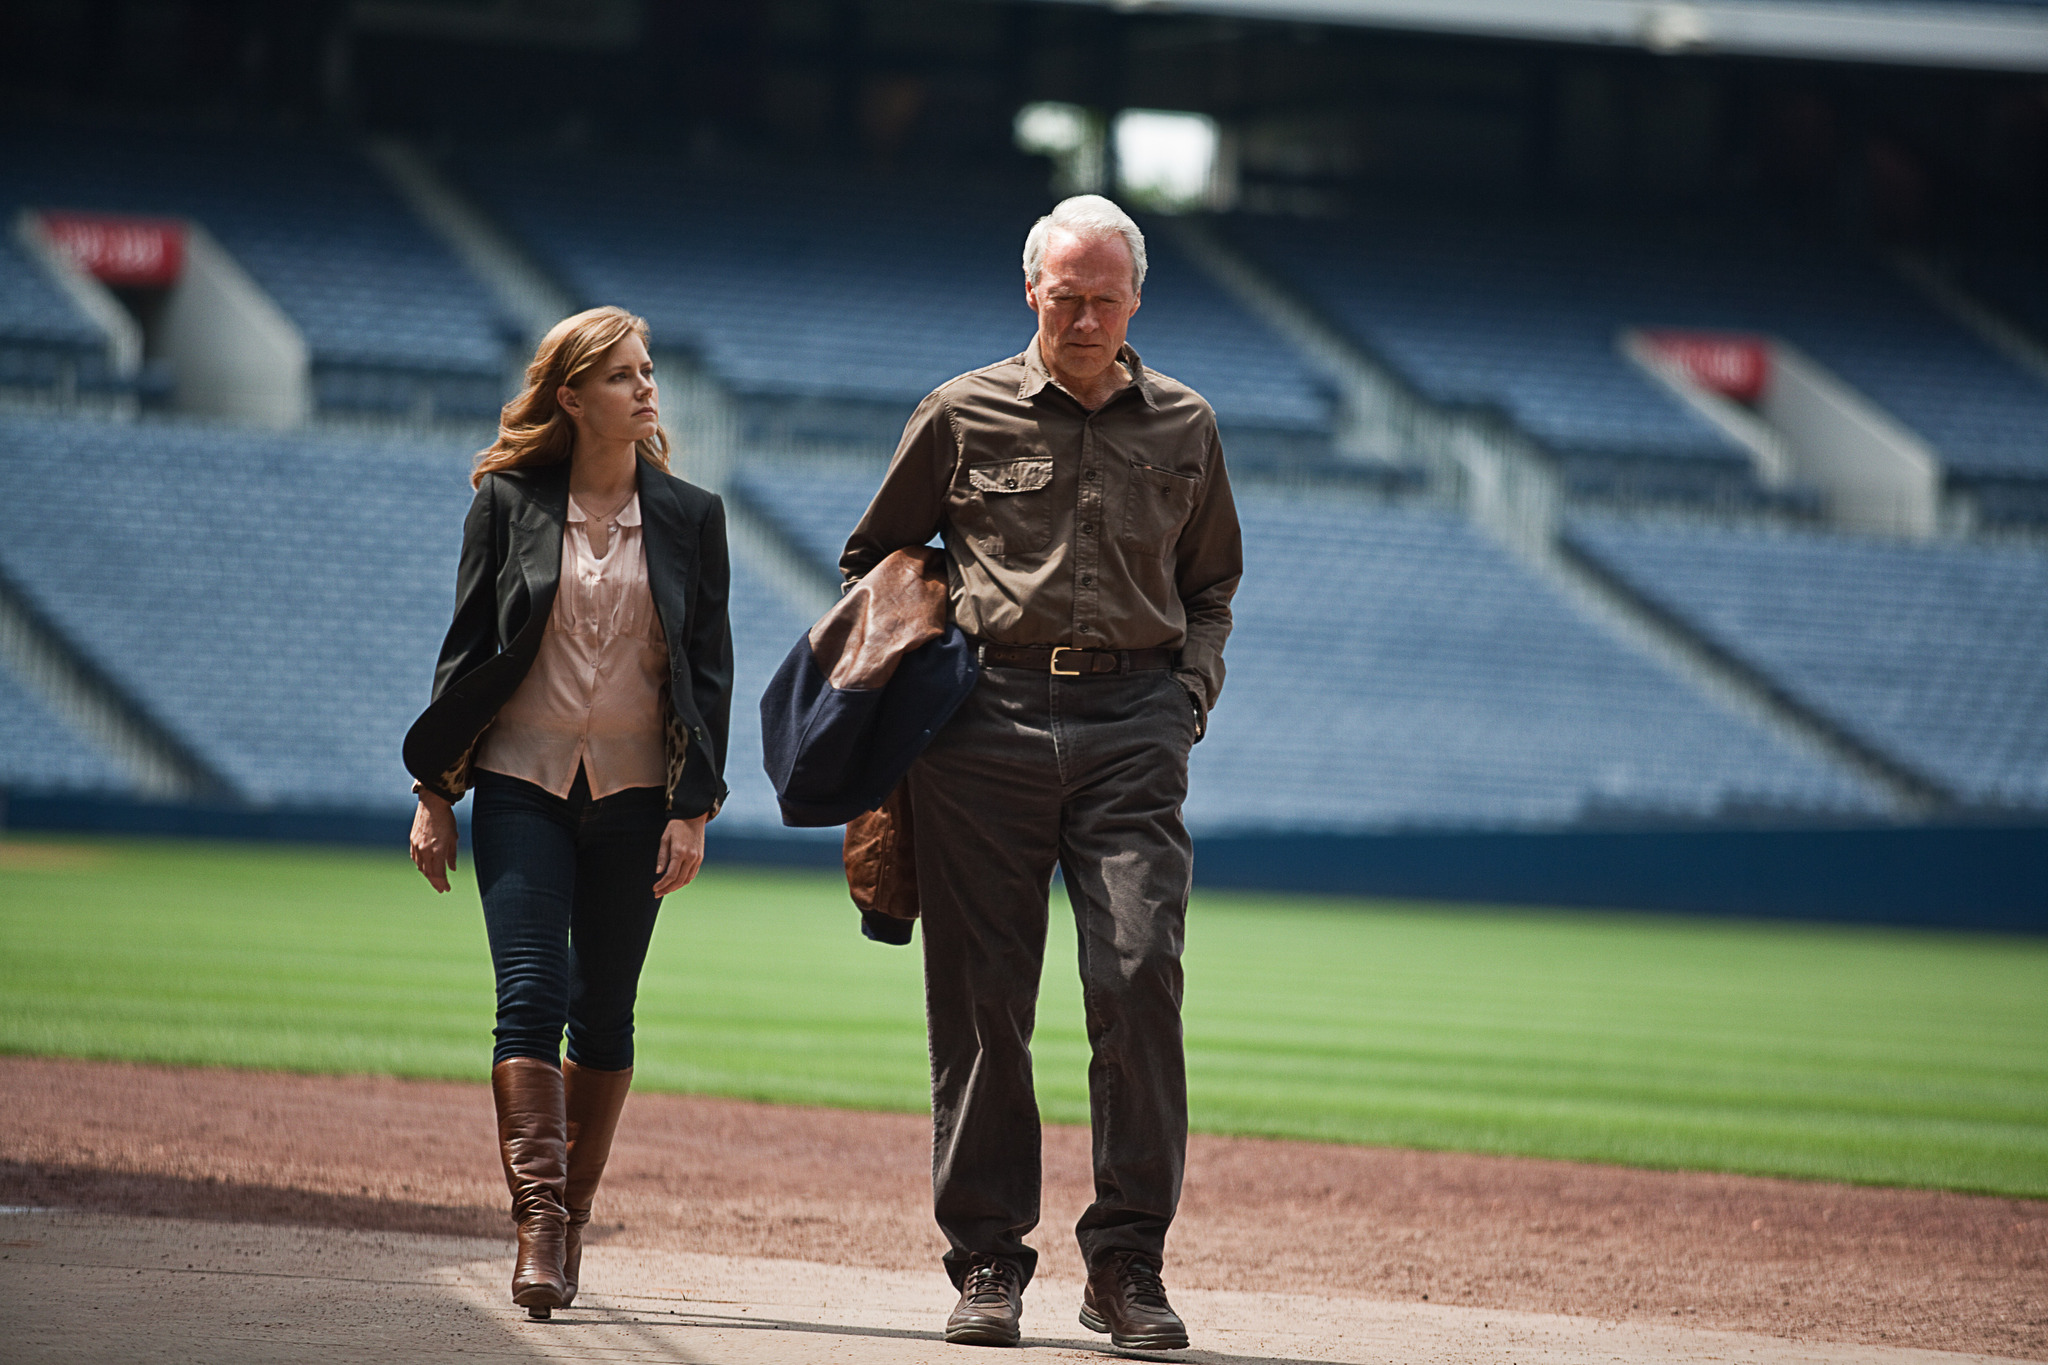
{"x": 1793, "y": 1259}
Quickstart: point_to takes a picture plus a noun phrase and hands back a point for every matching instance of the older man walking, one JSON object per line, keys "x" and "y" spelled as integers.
{"x": 1093, "y": 551}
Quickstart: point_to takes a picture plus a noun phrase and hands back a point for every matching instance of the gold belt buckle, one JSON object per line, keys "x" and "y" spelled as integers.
{"x": 1057, "y": 650}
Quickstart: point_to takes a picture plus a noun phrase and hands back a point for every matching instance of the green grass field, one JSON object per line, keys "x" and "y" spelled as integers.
{"x": 1845, "y": 1053}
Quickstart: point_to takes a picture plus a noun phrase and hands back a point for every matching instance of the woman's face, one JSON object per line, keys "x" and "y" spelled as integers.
{"x": 616, "y": 400}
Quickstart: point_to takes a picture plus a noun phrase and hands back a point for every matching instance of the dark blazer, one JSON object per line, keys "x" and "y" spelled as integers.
{"x": 505, "y": 588}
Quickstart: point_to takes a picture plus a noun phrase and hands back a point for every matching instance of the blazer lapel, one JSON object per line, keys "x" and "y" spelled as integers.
{"x": 537, "y": 538}
{"x": 670, "y": 541}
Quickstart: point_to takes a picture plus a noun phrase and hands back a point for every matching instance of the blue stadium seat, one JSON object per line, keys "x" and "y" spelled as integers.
{"x": 814, "y": 503}
{"x": 1522, "y": 313}
{"x": 290, "y": 651}
{"x": 44, "y": 337}
{"x": 386, "y": 309}
{"x": 40, "y": 752}
{"x": 1432, "y": 682}
{"x": 864, "y": 293}
{"x": 1936, "y": 654}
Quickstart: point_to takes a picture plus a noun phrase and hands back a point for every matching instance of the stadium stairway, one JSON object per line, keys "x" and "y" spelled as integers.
{"x": 1515, "y": 493}
{"x": 281, "y": 656}
{"x": 1934, "y": 653}
{"x": 39, "y": 749}
{"x": 61, "y": 706}
{"x": 394, "y": 325}
{"x": 829, "y": 308}
{"x": 50, "y": 350}
{"x": 1522, "y": 315}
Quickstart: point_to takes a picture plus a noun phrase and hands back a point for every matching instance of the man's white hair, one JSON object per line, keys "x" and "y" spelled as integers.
{"x": 1086, "y": 216}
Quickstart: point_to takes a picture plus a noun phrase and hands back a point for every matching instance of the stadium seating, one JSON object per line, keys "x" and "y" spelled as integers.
{"x": 1428, "y": 681}
{"x": 393, "y": 321}
{"x": 1523, "y": 313}
{"x": 289, "y": 651}
{"x": 39, "y": 751}
{"x": 856, "y": 293}
{"x": 46, "y": 342}
{"x": 814, "y": 503}
{"x": 1931, "y": 653}
{"x": 764, "y": 626}
{"x": 1447, "y": 687}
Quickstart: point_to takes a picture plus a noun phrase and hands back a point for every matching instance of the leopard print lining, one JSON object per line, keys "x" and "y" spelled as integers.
{"x": 455, "y": 781}
{"x": 676, "y": 747}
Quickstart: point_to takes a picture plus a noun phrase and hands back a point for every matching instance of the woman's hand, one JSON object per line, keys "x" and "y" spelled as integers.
{"x": 433, "y": 840}
{"x": 682, "y": 855}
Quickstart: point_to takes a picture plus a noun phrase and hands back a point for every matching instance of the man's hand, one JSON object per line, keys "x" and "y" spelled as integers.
{"x": 682, "y": 855}
{"x": 433, "y": 840}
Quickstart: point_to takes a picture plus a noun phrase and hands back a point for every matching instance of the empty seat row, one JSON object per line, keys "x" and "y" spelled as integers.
{"x": 1936, "y": 654}
{"x": 274, "y": 600}
{"x": 34, "y": 312}
{"x": 863, "y": 291}
{"x": 1431, "y": 682}
{"x": 314, "y": 225}
{"x": 40, "y": 751}
{"x": 1523, "y": 313}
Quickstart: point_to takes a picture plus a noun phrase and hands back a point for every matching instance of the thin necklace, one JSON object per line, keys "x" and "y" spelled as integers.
{"x": 608, "y": 517}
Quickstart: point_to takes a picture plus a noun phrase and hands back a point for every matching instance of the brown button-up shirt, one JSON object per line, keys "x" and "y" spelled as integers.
{"x": 1111, "y": 529}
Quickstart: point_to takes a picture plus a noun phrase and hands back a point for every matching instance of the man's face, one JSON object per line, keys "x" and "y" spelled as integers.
{"x": 1084, "y": 301}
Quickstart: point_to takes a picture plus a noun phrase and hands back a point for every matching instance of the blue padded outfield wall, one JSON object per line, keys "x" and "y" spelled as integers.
{"x": 1959, "y": 876}
{"x": 1985, "y": 876}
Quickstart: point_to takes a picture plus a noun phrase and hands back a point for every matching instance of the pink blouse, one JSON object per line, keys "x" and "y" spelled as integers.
{"x": 595, "y": 693}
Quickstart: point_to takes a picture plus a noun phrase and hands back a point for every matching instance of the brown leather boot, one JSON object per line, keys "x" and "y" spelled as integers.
{"x": 594, "y": 1101}
{"x": 534, "y": 1145}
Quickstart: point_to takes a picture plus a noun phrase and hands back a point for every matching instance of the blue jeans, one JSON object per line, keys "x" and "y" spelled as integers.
{"x": 569, "y": 904}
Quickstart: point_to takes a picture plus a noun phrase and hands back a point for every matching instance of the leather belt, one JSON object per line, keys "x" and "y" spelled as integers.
{"x": 1069, "y": 662}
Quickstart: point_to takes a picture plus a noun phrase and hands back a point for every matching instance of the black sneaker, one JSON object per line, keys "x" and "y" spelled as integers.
{"x": 1126, "y": 1299}
{"x": 990, "y": 1308}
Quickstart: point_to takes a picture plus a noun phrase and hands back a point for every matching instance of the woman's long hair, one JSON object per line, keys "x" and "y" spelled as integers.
{"x": 532, "y": 428}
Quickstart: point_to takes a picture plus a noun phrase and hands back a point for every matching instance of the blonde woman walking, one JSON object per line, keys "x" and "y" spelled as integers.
{"x": 582, "y": 694}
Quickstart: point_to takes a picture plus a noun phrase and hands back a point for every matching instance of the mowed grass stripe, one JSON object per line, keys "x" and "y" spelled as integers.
{"x": 1838, "y": 1052}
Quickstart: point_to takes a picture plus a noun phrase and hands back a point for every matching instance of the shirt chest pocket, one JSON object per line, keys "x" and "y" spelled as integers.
{"x": 1157, "y": 503}
{"x": 1012, "y": 504}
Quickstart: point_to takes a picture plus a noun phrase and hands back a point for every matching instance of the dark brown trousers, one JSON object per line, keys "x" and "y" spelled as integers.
{"x": 1086, "y": 774}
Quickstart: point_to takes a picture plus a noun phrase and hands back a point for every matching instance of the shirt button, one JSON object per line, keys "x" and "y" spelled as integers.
{"x": 1090, "y": 474}
{"x": 1087, "y": 527}
{"x": 1087, "y": 580}
{"x": 1009, "y": 483}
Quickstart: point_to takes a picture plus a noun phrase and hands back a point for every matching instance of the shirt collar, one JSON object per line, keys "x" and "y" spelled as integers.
{"x": 1037, "y": 376}
{"x": 629, "y": 515}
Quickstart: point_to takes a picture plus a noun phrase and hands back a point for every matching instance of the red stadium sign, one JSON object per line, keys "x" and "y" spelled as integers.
{"x": 1735, "y": 364}
{"x": 120, "y": 250}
